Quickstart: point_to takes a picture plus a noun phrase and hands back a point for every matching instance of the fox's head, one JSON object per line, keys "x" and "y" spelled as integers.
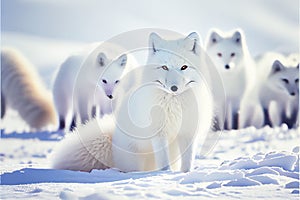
{"x": 112, "y": 73}
{"x": 226, "y": 50}
{"x": 173, "y": 63}
{"x": 285, "y": 78}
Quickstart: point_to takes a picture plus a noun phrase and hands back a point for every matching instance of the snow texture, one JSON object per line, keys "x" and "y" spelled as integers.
{"x": 25, "y": 169}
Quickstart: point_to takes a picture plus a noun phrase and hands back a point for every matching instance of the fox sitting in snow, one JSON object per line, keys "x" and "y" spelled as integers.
{"x": 174, "y": 105}
{"x": 158, "y": 121}
{"x": 229, "y": 52}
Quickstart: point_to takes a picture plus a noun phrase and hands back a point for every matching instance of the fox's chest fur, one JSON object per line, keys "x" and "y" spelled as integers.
{"x": 182, "y": 113}
{"x": 232, "y": 88}
{"x": 172, "y": 107}
{"x": 270, "y": 93}
{"x": 164, "y": 114}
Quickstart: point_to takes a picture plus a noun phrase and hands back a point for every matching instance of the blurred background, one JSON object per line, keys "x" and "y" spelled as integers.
{"x": 268, "y": 24}
{"x": 47, "y": 31}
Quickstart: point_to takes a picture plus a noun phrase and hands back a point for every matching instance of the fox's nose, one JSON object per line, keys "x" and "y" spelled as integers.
{"x": 110, "y": 96}
{"x": 293, "y": 93}
{"x": 227, "y": 66}
{"x": 174, "y": 88}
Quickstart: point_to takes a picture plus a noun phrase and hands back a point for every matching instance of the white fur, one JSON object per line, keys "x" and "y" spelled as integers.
{"x": 63, "y": 88}
{"x": 146, "y": 137}
{"x": 272, "y": 89}
{"x": 79, "y": 82}
{"x": 23, "y": 90}
{"x": 229, "y": 52}
{"x": 86, "y": 148}
{"x": 157, "y": 126}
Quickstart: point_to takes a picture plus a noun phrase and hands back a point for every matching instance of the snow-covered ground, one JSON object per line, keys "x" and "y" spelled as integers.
{"x": 245, "y": 164}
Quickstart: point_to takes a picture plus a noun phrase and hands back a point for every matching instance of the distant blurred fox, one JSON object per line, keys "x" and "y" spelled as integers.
{"x": 279, "y": 84}
{"x": 77, "y": 88}
{"x": 22, "y": 90}
{"x": 285, "y": 82}
{"x": 230, "y": 54}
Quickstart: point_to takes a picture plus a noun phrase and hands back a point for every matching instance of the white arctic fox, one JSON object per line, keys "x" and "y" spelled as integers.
{"x": 278, "y": 83}
{"x": 86, "y": 80}
{"x": 158, "y": 121}
{"x": 22, "y": 90}
{"x": 229, "y": 53}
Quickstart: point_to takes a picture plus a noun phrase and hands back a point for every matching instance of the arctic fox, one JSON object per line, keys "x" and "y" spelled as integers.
{"x": 158, "y": 121}
{"x": 229, "y": 53}
{"x": 22, "y": 90}
{"x": 279, "y": 83}
{"x": 77, "y": 88}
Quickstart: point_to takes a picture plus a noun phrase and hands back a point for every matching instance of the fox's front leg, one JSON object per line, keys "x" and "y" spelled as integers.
{"x": 267, "y": 120}
{"x": 161, "y": 152}
{"x": 83, "y": 110}
{"x": 187, "y": 150}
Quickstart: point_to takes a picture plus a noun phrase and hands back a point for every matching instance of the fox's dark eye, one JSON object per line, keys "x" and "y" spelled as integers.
{"x": 104, "y": 81}
{"x": 165, "y": 67}
{"x": 285, "y": 80}
{"x": 297, "y": 80}
{"x": 117, "y": 81}
{"x": 184, "y": 67}
{"x": 219, "y": 54}
{"x": 232, "y": 54}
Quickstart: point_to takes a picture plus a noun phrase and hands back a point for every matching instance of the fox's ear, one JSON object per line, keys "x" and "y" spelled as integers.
{"x": 237, "y": 37}
{"x": 102, "y": 59}
{"x": 192, "y": 42}
{"x": 214, "y": 37}
{"x": 154, "y": 40}
{"x": 122, "y": 60}
{"x": 277, "y": 67}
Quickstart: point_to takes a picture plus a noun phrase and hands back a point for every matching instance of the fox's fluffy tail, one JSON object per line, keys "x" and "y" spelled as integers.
{"x": 23, "y": 90}
{"x": 86, "y": 148}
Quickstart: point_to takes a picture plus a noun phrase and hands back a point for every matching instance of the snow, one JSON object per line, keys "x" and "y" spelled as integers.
{"x": 272, "y": 159}
{"x": 294, "y": 184}
{"x": 286, "y": 162}
{"x": 245, "y": 164}
{"x": 25, "y": 171}
{"x": 242, "y": 182}
{"x": 264, "y": 179}
{"x": 262, "y": 170}
{"x": 194, "y": 177}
